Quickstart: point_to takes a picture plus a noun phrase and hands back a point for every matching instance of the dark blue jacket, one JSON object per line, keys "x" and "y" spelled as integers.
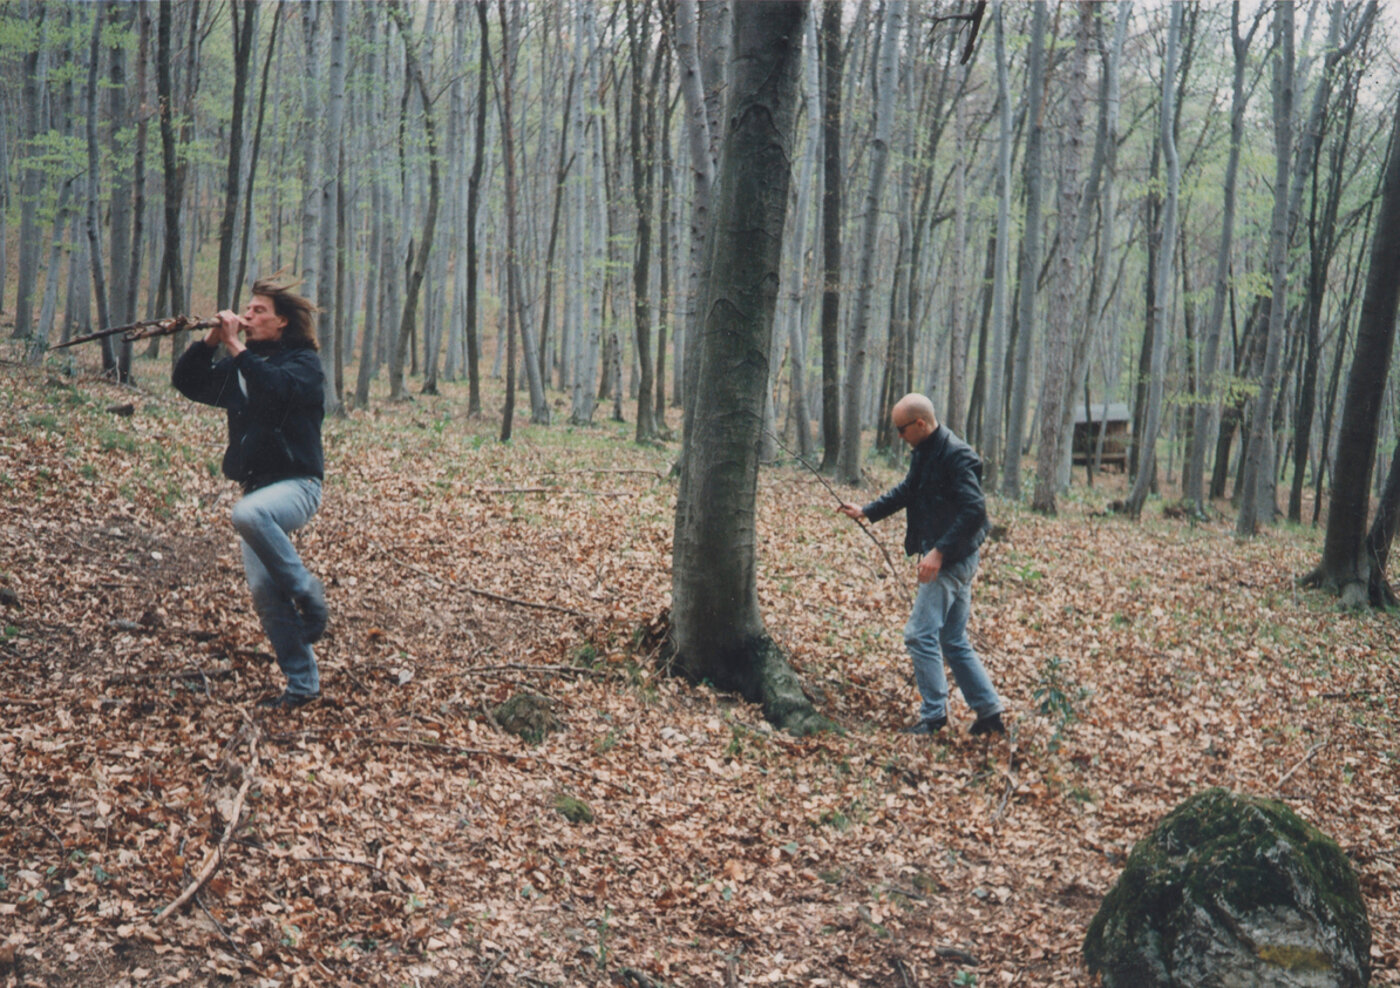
{"x": 275, "y": 398}
{"x": 942, "y": 499}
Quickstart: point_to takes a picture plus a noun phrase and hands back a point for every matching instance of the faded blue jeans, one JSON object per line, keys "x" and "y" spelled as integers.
{"x": 276, "y": 575}
{"x": 937, "y": 632}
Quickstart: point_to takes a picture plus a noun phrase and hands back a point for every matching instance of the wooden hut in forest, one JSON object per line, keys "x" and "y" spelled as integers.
{"x": 1112, "y": 421}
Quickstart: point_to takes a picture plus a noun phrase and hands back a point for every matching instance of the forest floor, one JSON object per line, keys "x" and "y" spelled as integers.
{"x": 393, "y": 833}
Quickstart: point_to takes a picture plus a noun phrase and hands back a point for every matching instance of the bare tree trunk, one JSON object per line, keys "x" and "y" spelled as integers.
{"x": 1194, "y": 487}
{"x": 831, "y": 234}
{"x": 31, "y": 171}
{"x": 1001, "y": 277}
{"x": 717, "y": 632}
{"x": 174, "y": 183}
{"x": 419, "y": 266}
{"x": 1029, "y": 259}
{"x": 1346, "y": 567}
{"x": 1056, "y": 394}
{"x": 473, "y": 207}
{"x": 94, "y": 233}
{"x": 642, "y": 131}
{"x": 1147, "y": 459}
{"x": 244, "y": 29}
{"x": 1256, "y": 501}
{"x": 850, "y": 460}
{"x": 332, "y": 348}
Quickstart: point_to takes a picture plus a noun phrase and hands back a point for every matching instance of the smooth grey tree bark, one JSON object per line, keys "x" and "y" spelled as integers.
{"x": 332, "y": 190}
{"x": 1142, "y": 481}
{"x": 831, "y": 64}
{"x": 419, "y": 264}
{"x": 1194, "y": 478}
{"x": 245, "y": 22}
{"x": 1056, "y": 395}
{"x": 642, "y": 134}
{"x": 717, "y": 630}
{"x": 1029, "y": 258}
{"x": 849, "y": 464}
{"x": 1257, "y": 494}
{"x": 1347, "y": 567}
{"x": 311, "y": 145}
{"x": 94, "y": 232}
{"x": 31, "y": 170}
{"x": 1001, "y": 266}
{"x": 699, "y": 142}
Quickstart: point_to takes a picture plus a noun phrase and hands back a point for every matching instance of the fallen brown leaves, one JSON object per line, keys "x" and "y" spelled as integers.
{"x": 392, "y": 834}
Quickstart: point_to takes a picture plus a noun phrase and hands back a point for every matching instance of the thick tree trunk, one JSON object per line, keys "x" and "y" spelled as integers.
{"x": 1345, "y": 567}
{"x": 717, "y": 631}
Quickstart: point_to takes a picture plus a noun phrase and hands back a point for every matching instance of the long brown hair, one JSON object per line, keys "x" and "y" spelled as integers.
{"x": 300, "y": 330}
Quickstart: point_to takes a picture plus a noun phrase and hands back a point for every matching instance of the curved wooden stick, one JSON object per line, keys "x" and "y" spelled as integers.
{"x": 211, "y": 863}
{"x": 860, "y": 524}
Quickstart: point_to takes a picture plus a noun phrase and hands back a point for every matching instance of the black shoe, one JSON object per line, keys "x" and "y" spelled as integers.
{"x": 312, "y": 608}
{"x": 931, "y": 726}
{"x": 990, "y": 724}
{"x": 287, "y": 701}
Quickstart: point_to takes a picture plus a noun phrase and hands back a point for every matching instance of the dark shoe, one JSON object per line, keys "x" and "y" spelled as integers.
{"x": 312, "y": 607}
{"x": 287, "y": 701}
{"x": 931, "y": 726}
{"x": 988, "y": 725}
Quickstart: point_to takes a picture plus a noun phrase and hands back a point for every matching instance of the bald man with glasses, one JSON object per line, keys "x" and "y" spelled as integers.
{"x": 946, "y": 523}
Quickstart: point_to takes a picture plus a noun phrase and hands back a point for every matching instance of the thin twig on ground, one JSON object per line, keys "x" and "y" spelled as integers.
{"x": 501, "y": 598}
{"x": 1299, "y": 764}
{"x": 214, "y": 857}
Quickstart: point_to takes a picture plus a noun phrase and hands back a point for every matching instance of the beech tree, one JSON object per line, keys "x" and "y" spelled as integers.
{"x": 1350, "y": 567}
{"x": 717, "y": 630}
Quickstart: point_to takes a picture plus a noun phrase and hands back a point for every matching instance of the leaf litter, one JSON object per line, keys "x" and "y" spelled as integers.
{"x": 396, "y": 833}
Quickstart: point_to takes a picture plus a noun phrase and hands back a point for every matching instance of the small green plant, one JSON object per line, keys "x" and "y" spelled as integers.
{"x": 964, "y": 979}
{"x": 110, "y": 440}
{"x": 602, "y": 928}
{"x": 1058, "y": 698}
{"x": 573, "y": 809}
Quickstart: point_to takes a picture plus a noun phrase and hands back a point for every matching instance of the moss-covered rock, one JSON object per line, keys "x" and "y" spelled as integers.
{"x": 572, "y": 808}
{"x": 528, "y": 716}
{"x": 1228, "y": 890}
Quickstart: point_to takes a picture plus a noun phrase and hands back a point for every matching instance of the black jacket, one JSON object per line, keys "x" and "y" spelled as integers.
{"x": 942, "y": 498}
{"x": 275, "y": 398}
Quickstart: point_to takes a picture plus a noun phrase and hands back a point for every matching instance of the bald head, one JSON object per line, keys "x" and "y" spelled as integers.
{"x": 913, "y": 418}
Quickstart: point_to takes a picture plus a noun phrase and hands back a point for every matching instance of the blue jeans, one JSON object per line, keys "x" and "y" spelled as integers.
{"x": 276, "y": 575}
{"x": 937, "y": 631}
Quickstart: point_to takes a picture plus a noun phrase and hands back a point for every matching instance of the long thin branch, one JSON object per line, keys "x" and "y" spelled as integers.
{"x": 212, "y": 860}
{"x": 502, "y": 598}
{"x": 840, "y": 500}
{"x": 1299, "y": 764}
